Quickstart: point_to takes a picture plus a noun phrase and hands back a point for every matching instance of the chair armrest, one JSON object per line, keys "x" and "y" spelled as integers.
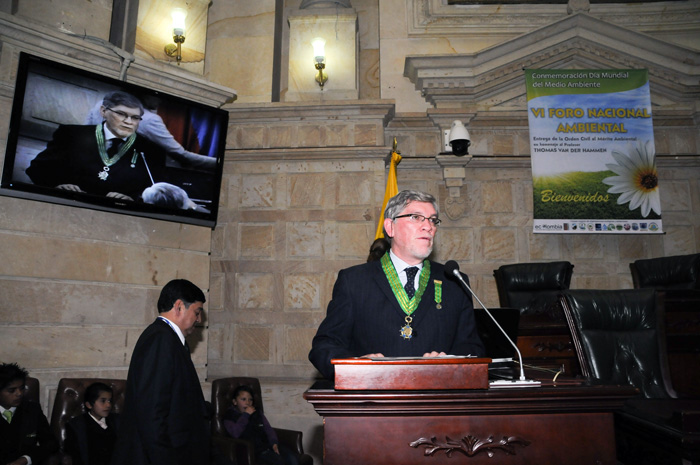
{"x": 238, "y": 451}
{"x": 291, "y": 439}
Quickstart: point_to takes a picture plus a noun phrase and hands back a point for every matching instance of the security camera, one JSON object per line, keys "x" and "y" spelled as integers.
{"x": 457, "y": 139}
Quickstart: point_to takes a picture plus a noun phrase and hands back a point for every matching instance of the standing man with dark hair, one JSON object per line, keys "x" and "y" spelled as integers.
{"x": 401, "y": 304}
{"x": 25, "y": 436}
{"x": 166, "y": 419}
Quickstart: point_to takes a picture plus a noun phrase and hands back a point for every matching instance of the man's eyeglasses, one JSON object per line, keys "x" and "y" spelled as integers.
{"x": 416, "y": 218}
{"x": 124, "y": 116}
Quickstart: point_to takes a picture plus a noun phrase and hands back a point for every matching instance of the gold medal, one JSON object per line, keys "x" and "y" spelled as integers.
{"x": 406, "y": 331}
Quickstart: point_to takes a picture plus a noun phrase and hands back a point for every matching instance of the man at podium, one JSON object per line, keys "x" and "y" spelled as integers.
{"x": 402, "y": 305}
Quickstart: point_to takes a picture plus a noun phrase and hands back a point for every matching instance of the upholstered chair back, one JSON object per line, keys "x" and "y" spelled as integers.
{"x": 70, "y": 396}
{"x": 32, "y": 391}
{"x": 222, "y": 396}
{"x": 676, "y": 272}
{"x": 240, "y": 450}
{"x": 532, "y": 287}
{"x": 619, "y": 337}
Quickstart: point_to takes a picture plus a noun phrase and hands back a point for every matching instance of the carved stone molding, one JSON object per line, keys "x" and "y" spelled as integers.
{"x": 471, "y": 445}
{"x": 494, "y": 76}
{"x": 436, "y": 17}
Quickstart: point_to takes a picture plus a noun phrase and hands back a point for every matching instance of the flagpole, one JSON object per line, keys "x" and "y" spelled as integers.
{"x": 392, "y": 188}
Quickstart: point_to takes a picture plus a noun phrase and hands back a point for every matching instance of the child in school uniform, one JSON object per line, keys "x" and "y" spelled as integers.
{"x": 25, "y": 435}
{"x": 243, "y": 421}
{"x": 90, "y": 437}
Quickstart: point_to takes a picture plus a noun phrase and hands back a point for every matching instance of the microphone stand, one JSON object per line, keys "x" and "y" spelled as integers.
{"x": 501, "y": 382}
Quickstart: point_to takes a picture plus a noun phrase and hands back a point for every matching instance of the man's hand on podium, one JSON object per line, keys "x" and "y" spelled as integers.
{"x": 427, "y": 354}
{"x": 434, "y": 354}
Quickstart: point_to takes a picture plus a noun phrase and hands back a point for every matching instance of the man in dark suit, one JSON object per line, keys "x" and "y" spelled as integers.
{"x": 402, "y": 304}
{"x": 25, "y": 436}
{"x": 108, "y": 159}
{"x": 165, "y": 419}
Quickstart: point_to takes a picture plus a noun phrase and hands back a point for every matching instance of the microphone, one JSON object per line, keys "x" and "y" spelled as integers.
{"x": 452, "y": 268}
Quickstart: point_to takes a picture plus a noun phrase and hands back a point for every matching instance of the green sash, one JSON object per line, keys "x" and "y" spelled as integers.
{"x": 407, "y": 305}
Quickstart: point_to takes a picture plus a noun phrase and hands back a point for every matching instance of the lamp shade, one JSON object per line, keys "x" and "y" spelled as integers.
{"x": 319, "y": 45}
{"x": 178, "y": 15}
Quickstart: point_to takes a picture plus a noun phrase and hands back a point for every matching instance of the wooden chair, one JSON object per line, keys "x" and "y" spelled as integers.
{"x": 221, "y": 397}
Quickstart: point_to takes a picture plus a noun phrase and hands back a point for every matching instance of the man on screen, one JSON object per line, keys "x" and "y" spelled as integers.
{"x": 153, "y": 128}
{"x": 108, "y": 159}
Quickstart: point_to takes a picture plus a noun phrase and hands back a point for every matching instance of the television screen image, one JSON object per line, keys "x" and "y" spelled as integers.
{"x": 81, "y": 139}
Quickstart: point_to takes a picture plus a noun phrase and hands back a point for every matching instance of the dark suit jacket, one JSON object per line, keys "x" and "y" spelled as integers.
{"x": 364, "y": 317}
{"x": 28, "y": 434}
{"x": 72, "y": 157}
{"x": 165, "y": 419}
{"x": 79, "y": 440}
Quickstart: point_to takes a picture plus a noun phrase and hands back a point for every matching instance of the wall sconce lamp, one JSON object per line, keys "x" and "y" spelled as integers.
{"x": 319, "y": 45}
{"x": 457, "y": 139}
{"x": 178, "y": 15}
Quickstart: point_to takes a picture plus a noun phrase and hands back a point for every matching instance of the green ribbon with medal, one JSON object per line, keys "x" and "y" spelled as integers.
{"x": 409, "y": 305}
{"x": 106, "y": 160}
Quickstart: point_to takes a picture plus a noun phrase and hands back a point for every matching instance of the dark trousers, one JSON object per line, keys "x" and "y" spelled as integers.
{"x": 285, "y": 457}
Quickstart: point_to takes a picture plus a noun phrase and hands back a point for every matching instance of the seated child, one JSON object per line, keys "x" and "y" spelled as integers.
{"x": 242, "y": 421}
{"x": 90, "y": 437}
{"x": 25, "y": 435}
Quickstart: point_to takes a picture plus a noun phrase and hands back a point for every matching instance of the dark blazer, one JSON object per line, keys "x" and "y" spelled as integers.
{"x": 165, "y": 419}
{"x": 80, "y": 439}
{"x": 364, "y": 317}
{"x": 72, "y": 157}
{"x": 28, "y": 434}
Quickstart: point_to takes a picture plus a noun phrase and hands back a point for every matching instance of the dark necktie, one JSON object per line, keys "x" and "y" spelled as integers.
{"x": 114, "y": 146}
{"x": 411, "y": 279}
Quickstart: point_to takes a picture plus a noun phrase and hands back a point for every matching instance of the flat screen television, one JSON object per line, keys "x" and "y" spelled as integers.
{"x": 167, "y": 163}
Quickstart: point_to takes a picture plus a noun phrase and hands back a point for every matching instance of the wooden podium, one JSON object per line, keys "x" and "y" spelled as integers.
{"x": 563, "y": 422}
{"x": 411, "y": 373}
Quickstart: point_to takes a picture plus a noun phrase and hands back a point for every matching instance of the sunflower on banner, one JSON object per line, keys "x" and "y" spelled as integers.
{"x": 381, "y": 244}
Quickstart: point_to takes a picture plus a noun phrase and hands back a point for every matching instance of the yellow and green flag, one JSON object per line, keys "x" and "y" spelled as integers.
{"x": 392, "y": 188}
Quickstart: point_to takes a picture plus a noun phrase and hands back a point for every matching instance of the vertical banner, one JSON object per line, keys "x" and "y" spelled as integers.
{"x": 592, "y": 151}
